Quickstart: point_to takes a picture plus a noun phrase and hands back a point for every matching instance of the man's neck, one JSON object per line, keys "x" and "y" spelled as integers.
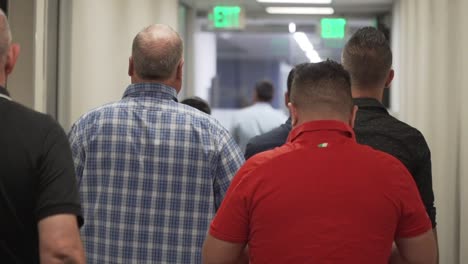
{"x": 169, "y": 83}
{"x": 374, "y": 93}
{"x": 2, "y": 80}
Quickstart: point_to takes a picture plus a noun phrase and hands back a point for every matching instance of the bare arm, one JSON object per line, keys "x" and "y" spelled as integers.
{"x": 217, "y": 251}
{"x": 416, "y": 250}
{"x": 59, "y": 240}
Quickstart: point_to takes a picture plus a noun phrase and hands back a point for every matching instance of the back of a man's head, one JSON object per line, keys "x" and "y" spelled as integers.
{"x": 290, "y": 79}
{"x": 198, "y": 103}
{"x": 322, "y": 89}
{"x": 264, "y": 91}
{"x": 367, "y": 57}
{"x": 156, "y": 51}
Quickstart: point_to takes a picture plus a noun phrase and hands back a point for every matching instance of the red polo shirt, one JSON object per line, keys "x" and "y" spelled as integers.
{"x": 321, "y": 198}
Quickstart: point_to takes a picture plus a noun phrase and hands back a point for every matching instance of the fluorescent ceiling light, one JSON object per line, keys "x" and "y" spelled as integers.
{"x": 300, "y": 10}
{"x": 303, "y": 41}
{"x": 292, "y": 27}
{"x": 308, "y": 48}
{"x": 295, "y": 1}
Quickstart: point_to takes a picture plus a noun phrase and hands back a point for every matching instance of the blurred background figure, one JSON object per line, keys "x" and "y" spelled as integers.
{"x": 198, "y": 103}
{"x": 258, "y": 118}
{"x": 275, "y": 137}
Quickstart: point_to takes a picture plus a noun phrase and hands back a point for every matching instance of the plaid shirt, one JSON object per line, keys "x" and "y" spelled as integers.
{"x": 152, "y": 173}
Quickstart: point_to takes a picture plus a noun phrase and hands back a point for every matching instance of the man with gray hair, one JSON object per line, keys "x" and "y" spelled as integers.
{"x": 39, "y": 202}
{"x": 152, "y": 172}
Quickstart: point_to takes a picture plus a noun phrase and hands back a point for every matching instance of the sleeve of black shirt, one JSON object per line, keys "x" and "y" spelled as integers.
{"x": 57, "y": 188}
{"x": 423, "y": 177}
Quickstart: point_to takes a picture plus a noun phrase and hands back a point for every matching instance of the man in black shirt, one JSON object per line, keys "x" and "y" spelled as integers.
{"x": 368, "y": 59}
{"x": 39, "y": 202}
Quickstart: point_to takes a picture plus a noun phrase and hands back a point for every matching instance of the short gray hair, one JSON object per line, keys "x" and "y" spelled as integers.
{"x": 156, "y": 52}
{"x": 5, "y": 36}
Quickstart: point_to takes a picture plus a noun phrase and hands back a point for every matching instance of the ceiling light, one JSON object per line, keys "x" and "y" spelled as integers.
{"x": 292, "y": 27}
{"x": 300, "y": 10}
{"x": 303, "y": 41}
{"x": 225, "y": 35}
{"x": 295, "y": 1}
{"x": 308, "y": 48}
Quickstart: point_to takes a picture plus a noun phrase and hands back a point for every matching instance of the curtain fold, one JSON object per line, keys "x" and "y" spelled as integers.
{"x": 462, "y": 81}
{"x": 432, "y": 63}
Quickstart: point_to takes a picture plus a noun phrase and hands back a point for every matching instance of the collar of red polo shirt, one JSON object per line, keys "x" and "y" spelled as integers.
{"x": 4, "y": 93}
{"x": 321, "y": 125}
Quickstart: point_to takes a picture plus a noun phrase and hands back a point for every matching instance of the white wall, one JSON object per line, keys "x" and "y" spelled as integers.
{"x": 205, "y": 62}
{"x": 21, "y": 82}
{"x": 98, "y": 36}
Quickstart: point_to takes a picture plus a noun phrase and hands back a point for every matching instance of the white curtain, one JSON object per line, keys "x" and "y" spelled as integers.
{"x": 431, "y": 62}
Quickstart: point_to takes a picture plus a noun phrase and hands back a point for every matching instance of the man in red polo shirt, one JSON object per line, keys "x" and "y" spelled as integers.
{"x": 321, "y": 197}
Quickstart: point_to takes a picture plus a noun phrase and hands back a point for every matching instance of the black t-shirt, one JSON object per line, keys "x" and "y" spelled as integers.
{"x": 375, "y": 127}
{"x": 37, "y": 175}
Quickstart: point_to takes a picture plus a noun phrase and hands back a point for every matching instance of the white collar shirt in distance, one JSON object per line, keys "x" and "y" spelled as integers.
{"x": 255, "y": 120}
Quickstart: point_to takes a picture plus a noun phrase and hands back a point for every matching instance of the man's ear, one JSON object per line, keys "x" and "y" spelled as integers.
{"x": 391, "y": 75}
{"x": 352, "y": 118}
{"x": 293, "y": 113}
{"x": 180, "y": 70}
{"x": 286, "y": 98}
{"x": 131, "y": 69}
{"x": 11, "y": 58}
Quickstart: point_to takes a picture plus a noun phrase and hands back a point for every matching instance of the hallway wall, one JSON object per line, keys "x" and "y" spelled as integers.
{"x": 97, "y": 37}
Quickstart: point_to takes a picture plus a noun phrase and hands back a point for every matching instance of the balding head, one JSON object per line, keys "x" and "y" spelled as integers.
{"x": 156, "y": 52}
{"x": 5, "y": 37}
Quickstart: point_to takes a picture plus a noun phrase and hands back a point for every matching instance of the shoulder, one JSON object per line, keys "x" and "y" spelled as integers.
{"x": 30, "y": 120}
{"x": 200, "y": 119}
{"x": 385, "y": 122}
{"x": 387, "y": 133}
{"x": 244, "y": 112}
{"x": 99, "y": 113}
{"x": 266, "y": 158}
{"x": 267, "y": 141}
{"x": 180, "y": 115}
{"x": 383, "y": 164}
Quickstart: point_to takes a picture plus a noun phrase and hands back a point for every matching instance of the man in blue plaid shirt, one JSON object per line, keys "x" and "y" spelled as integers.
{"x": 152, "y": 172}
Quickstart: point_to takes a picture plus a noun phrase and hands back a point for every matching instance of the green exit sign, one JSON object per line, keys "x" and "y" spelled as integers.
{"x": 227, "y": 17}
{"x": 333, "y": 28}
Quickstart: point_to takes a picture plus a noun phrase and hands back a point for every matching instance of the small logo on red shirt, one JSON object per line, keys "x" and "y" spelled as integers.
{"x": 323, "y": 145}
